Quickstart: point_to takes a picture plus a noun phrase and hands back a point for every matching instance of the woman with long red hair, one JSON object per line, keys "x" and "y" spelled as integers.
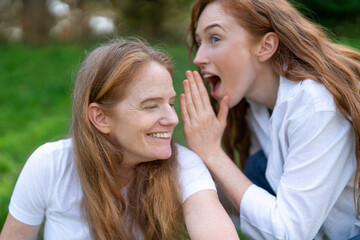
{"x": 288, "y": 98}
{"x": 120, "y": 175}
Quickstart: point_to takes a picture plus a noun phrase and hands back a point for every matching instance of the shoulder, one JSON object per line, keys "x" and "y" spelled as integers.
{"x": 301, "y": 100}
{"x": 193, "y": 174}
{"x": 39, "y": 179}
{"x": 184, "y": 152}
{"x": 308, "y": 92}
{"x": 187, "y": 157}
{"x": 60, "y": 146}
{"x": 320, "y": 97}
{"x": 307, "y": 108}
{"x": 51, "y": 156}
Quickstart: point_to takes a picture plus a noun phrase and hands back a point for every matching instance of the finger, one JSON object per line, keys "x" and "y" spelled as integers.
{"x": 183, "y": 110}
{"x": 224, "y": 110}
{"x": 202, "y": 90}
{"x": 194, "y": 91}
{"x": 188, "y": 101}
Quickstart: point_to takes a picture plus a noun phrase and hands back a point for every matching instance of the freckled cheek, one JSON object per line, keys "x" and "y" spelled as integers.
{"x": 216, "y": 55}
{"x": 146, "y": 124}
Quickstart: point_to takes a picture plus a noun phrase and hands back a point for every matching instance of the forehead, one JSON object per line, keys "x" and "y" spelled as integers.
{"x": 151, "y": 80}
{"x": 214, "y": 13}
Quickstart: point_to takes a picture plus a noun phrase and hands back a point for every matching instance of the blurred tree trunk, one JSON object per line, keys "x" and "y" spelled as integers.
{"x": 36, "y": 21}
{"x": 144, "y": 17}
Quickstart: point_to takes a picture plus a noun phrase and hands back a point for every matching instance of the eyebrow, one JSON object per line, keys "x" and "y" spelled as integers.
{"x": 212, "y": 26}
{"x": 156, "y": 99}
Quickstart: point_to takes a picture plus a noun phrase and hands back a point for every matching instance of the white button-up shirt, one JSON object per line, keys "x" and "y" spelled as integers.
{"x": 311, "y": 164}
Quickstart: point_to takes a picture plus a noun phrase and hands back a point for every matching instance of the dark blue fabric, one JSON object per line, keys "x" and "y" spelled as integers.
{"x": 255, "y": 167}
{"x": 357, "y": 237}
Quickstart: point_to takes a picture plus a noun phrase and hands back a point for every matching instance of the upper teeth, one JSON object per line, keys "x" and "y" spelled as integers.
{"x": 206, "y": 75}
{"x": 160, "y": 135}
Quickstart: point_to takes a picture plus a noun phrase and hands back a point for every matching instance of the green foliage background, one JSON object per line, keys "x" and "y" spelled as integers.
{"x": 36, "y": 81}
{"x": 35, "y": 86}
{"x": 342, "y": 18}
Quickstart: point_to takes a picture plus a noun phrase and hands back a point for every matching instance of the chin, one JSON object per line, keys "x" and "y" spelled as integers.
{"x": 233, "y": 102}
{"x": 231, "y": 105}
{"x": 164, "y": 154}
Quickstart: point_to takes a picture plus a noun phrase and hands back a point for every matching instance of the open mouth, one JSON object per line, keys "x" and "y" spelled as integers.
{"x": 214, "y": 80}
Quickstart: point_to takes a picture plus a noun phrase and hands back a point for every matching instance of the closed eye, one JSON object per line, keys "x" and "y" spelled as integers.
{"x": 150, "y": 107}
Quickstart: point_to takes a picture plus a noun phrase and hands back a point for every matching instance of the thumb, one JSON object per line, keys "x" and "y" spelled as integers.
{"x": 224, "y": 109}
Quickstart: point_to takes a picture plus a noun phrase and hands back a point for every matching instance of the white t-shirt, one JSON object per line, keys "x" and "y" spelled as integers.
{"x": 311, "y": 163}
{"x": 48, "y": 186}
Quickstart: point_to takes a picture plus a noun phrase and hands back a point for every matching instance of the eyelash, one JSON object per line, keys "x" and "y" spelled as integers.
{"x": 214, "y": 37}
{"x": 155, "y": 106}
{"x": 197, "y": 44}
{"x": 211, "y": 39}
{"x": 150, "y": 107}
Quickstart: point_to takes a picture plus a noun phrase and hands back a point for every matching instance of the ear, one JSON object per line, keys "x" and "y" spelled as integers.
{"x": 267, "y": 46}
{"x": 98, "y": 118}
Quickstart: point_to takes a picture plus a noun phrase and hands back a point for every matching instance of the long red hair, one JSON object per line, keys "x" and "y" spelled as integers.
{"x": 153, "y": 197}
{"x": 306, "y": 51}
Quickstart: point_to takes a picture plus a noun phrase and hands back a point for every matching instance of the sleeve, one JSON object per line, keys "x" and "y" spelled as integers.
{"x": 29, "y": 199}
{"x": 319, "y": 164}
{"x": 193, "y": 174}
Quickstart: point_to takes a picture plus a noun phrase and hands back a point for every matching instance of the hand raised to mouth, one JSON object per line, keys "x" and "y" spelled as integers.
{"x": 202, "y": 128}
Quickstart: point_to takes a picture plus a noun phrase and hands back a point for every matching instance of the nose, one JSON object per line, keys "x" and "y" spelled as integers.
{"x": 170, "y": 117}
{"x": 201, "y": 56}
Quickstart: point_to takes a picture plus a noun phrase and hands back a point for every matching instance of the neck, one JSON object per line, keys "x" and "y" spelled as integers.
{"x": 266, "y": 87}
{"x": 126, "y": 174}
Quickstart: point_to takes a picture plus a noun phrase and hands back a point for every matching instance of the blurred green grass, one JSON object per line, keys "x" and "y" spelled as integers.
{"x": 35, "y": 101}
{"x": 35, "y": 89}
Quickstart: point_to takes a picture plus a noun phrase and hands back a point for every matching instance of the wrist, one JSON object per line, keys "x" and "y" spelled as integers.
{"x": 213, "y": 158}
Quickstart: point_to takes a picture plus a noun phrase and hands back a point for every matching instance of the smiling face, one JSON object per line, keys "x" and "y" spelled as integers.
{"x": 225, "y": 54}
{"x": 144, "y": 120}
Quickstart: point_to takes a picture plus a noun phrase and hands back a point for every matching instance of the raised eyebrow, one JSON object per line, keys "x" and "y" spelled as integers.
{"x": 213, "y": 26}
{"x": 207, "y": 28}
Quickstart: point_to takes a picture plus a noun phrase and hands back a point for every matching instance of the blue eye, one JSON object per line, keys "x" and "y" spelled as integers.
{"x": 214, "y": 39}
